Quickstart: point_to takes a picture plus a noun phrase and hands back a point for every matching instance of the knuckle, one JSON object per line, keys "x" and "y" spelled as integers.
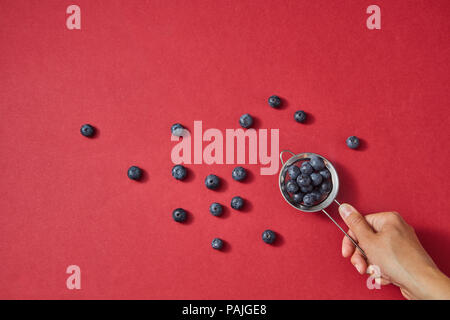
{"x": 394, "y": 217}
{"x": 354, "y": 220}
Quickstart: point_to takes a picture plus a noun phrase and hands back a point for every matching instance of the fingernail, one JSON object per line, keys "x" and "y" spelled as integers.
{"x": 345, "y": 210}
{"x": 358, "y": 268}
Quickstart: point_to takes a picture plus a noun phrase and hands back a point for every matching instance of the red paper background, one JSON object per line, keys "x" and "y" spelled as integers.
{"x": 136, "y": 67}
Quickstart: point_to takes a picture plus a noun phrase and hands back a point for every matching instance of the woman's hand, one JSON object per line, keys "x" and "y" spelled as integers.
{"x": 392, "y": 245}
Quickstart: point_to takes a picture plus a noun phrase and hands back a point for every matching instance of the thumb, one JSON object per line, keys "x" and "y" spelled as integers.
{"x": 355, "y": 221}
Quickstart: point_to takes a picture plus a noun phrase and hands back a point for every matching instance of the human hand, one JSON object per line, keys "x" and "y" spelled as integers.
{"x": 392, "y": 245}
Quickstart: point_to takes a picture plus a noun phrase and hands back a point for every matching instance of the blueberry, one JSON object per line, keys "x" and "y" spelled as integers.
{"x": 325, "y": 187}
{"x": 316, "y": 178}
{"x": 177, "y": 130}
{"x": 317, "y": 163}
{"x": 316, "y": 195}
{"x": 246, "y": 121}
{"x": 303, "y": 180}
{"x": 306, "y": 168}
{"x": 309, "y": 199}
{"x": 269, "y": 236}
{"x": 134, "y": 173}
{"x": 300, "y": 116}
{"x": 274, "y": 101}
{"x": 352, "y": 142}
{"x": 306, "y": 189}
{"x": 325, "y": 174}
{"x": 179, "y": 172}
{"x": 212, "y": 182}
{"x": 291, "y": 186}
{"x": 87, "y": 130}
{"x": 297, "y": 197}
{"x": 179, "y": 215}
{"x": 237, "y": 203}
{"x": 239, "y": 174}
{"x": 293, "y": 171}
{"x": 217, "y": 244}
{"x": 216, "y": 209}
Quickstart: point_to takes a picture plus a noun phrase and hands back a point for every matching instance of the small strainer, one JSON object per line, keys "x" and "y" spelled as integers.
{"x": 325, "y": 202}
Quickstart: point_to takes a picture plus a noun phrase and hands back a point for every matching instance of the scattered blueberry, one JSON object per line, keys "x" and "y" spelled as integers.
{"x": 134, "y": 173}
{"x": 317, "y": 163}
{"x": 306, "y": 189}
{"x": 239, "y": 174}
{"x": 177, "y": 130}
{"x": 352, "y": 142}
{"x": 297, "y": 197}
{"x": 303, "y": 180}
{"x": 306, "y": 168}
{"x": 179, "y": 172}
{"x": 291, "y": 186}
{"x": 300, "y": 116}
{"x": 179, "y": 215}
{"x": 325, "y": 187}
{"x": 216, "y": 209}
{"x": 293, "y": 171}
{"x": 309, "y": 199}
{"x": 274, "y": 101}
{"x": 212, "y": 182}
{"x": 237, "y": 203}
{"x": 87, "y": 130}
{"x": 217, "y": 244}
{"x": 246, "y": 121}
{"x": 269, "y": 236}
{"x": 316, "y": 178}
{"x": 325, "y": 174}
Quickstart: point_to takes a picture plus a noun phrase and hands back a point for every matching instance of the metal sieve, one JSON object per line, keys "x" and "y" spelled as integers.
{"x": 325, "y": 202}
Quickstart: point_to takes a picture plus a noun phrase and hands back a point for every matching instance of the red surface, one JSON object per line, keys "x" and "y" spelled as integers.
{"x": 136, "y": 67}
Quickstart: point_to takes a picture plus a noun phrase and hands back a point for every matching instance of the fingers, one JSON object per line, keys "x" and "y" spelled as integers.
{"x": 359, "y": 228}
{"x": 359, "y": 262}
{"x": 348, "y": 249}
{"x": 355, "y": 221}
{"x": 382, "y": 281}
{"x": 407, "y": 294}
{"x": 347, "y": 246}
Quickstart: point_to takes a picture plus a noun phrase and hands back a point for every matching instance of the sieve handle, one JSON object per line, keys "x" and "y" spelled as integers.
{"x": 346, "y": 234}
{"x": 281, "y": 155}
